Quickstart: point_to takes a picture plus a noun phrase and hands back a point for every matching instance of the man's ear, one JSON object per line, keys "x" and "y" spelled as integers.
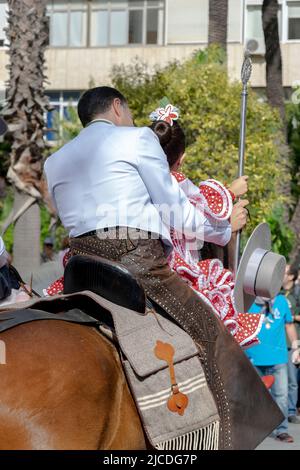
{"x": 116, "y": 106}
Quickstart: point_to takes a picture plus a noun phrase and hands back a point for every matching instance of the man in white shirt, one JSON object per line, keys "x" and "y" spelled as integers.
{"x": 114, "y": 174}
{"x": 113, "y": 191}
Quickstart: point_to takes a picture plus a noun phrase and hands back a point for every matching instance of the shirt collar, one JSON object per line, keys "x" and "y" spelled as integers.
{"x": 106, "y": 121}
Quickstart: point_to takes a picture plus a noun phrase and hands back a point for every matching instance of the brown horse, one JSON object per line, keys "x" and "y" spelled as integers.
{"x": 63, "y": 387}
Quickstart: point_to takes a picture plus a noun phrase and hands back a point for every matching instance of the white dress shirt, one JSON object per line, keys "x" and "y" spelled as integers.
{"x": 119, "y": 176}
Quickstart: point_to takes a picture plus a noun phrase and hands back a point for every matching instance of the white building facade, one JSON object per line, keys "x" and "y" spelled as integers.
{"x": 88, "y": 37}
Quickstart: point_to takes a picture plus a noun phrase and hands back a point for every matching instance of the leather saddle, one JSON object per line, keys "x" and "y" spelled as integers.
{"x": 106, "y": 278}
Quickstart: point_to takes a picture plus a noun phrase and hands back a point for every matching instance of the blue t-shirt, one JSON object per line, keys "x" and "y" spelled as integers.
{"x": 272, "y": 349}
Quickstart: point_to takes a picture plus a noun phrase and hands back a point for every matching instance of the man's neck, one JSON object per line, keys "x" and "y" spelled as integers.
{"x": 100, "y": 120}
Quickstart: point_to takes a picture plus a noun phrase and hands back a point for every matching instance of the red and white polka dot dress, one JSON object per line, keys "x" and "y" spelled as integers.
{"x": 208, "y": 278}
{"x": 57, "y": 287}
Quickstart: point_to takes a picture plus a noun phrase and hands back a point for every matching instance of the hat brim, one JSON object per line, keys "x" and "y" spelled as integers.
{"x": 260, "y": 238}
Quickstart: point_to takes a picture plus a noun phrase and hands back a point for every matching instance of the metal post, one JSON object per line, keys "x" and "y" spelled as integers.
{"x": 245, "y": 76}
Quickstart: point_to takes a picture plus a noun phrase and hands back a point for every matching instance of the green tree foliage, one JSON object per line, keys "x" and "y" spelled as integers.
{"x": 210, "y": 115}
{"x": 282, "y": 237}
{"x": 293, "y": 119}
{"x": 66, "y": 129}
{"x": 5, "y": 209}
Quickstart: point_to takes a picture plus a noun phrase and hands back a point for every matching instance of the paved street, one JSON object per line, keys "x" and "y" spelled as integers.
{"x": 271, "y": 444}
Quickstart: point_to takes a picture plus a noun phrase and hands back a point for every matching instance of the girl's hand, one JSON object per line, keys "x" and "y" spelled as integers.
{"x": 239, "y": 216}
{"x": 239, "y": 187}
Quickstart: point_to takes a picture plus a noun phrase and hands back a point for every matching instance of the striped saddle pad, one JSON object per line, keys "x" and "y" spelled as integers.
{"x": 195, "y": 426}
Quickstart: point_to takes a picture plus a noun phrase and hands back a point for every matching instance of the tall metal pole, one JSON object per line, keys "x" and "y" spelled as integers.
{"x": 245, "y": 76}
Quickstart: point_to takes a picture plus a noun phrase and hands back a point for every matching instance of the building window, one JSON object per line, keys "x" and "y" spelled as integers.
{"x": 135, "y": 33}
{"x": 187, "y": 21}
{"x": 60, "y": 101}
{"x": 68, "y": 23}
{"x": 101, "y": 23}
{"x": 123, "y": 22}
{"x": 235, "y": 15}
{"x": 254, "y": 22}
{"x": 152, "y": 26}
{"x": 293, "y": 20}
{"x": 254, "y": 26}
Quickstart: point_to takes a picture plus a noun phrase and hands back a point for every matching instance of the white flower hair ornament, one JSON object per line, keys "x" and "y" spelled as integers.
{"x": 168, "y": 113}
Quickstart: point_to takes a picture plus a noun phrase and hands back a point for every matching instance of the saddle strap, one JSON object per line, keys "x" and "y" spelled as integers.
{"x": 14, "y": 318}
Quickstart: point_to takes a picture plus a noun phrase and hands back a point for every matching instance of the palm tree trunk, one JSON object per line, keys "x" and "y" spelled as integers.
{"x": 217, "y": 27}
{"x": 295, "y": 226}
{"x": 27, "y": 252}
{"x": 24, "y": 112}
{"x": 274, "y": 88}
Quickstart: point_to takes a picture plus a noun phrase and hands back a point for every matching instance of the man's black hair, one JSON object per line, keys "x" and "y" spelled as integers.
{"x": 97, "y": 101}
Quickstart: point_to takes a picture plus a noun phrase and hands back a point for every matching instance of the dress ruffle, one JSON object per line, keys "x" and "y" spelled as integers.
{"x": 208, "y": 278}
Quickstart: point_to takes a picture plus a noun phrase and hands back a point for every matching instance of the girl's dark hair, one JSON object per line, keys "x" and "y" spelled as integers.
{"x": 171, "y": 138}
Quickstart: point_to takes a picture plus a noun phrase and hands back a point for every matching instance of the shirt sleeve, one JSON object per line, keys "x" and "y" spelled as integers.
{"x": 174, "y": 207}
{"x": 215, "y": 230}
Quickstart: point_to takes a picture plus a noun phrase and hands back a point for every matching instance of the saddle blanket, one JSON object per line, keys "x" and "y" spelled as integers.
{"x": 197, "y": 428}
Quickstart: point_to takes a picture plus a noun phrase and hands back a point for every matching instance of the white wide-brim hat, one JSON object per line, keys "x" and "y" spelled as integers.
{"x": 260, "y": 272}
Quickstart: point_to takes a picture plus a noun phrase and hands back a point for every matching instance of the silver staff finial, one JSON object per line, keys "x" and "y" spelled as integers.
{"x": 245, "y": 76}
{"x": 246, "y": 68}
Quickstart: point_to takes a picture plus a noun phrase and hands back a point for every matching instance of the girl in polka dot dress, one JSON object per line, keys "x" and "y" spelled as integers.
{"x": 208, "y": 278}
